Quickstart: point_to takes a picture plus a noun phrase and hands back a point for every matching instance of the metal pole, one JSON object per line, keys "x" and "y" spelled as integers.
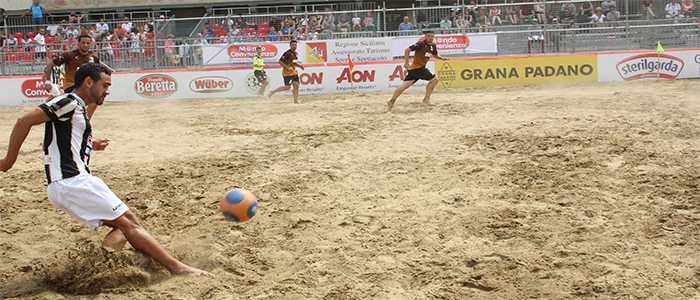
{"x": 627, "y": 11}
{"x": 384, "y": 15}
{"x": 155, "y": 42}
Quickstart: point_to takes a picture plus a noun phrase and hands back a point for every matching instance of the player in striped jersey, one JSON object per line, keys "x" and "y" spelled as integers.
{"x": 67, "y": 147}
{"x": 56, "y": 81}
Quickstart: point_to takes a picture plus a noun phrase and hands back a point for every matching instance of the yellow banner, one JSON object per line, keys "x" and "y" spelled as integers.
{"x": 517, "y": 71}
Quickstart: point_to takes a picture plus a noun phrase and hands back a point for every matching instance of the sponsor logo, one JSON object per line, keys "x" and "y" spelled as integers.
{"x": 34, "y": 88}
{"x": 356, "y": 76}
{"x": 311, "y": 78}
{"x": 697, "y": 59}
{"x": 446, "y": 75}
{"x": 211, "y": 84}
{"x": 650, "y": 65}
{"x": 316, "y": 52}
{"x": 248, "y": 51}
{"x": 449, "y": 42}
{"x": 155, "y": 86}
{"x": 527, "y": 72}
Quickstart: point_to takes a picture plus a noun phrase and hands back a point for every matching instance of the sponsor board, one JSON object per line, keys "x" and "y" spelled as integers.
{"x": 516, "y": 71}
{"x": 638, "y": 66}
{"x": 360, "y": 50}
{"x": 359, "y": 78}
{"x": 211, "y": 84}
{"x": 155, "y": 86}
{"x": 219, "y": 54}
{"x": 452, "y": 44}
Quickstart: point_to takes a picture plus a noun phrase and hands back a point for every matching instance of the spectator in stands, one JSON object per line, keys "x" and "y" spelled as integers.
{"x": 612, "y": 15}
{"x": 102, "y": 27}
{"x": 512, "y": 13}
{"x": 445, "y": 23}
{"x": 356, "y": 23}
{"x": 687, "y": 8}
{"x": 461, "y": 22}
{"x": 38, "y": 12}
{"x": 473, "y": 12}
{"x": 315, "y": 24}
{"x": 648, "y": 10}
{"x": 368, "y": 22}
{"x": 608, "y": 6}
{"x": 568, "y": 13}
{"x": 72, "y": 31}
{"x": 273, "y": 35}
{"x": 127, "y": 25}
{"x": 406, "y": 25}
{"x": 344, "y": 23}
{"x": 540, "y": 12}
{"x": 673, "y": 10}
{"x": 495, "y": 14}
{"x": 598, "y": 16}
{"x": 587, "y": 9}
{"x": 328, "y": 23}
{"x": 75, "y": 18}
{"x": 40, "y": 42}
{"x": 53, "y": 29}
{"x": 483, "y": 20}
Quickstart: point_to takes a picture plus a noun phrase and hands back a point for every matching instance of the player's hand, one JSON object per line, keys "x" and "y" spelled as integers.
{"x": 302, "y": 67}
{"x": 99, "y": 145}
{"x": 47, "y": 87}
{"x": 5, "y": 165}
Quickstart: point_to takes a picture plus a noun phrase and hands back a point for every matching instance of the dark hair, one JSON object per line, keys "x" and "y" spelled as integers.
{"x": 82, "y": 36}
{"x": 92, "y": 70}
{"x": 292, "y": 41}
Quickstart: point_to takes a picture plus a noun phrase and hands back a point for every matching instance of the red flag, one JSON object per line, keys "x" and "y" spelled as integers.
{"x": 350, "y": 63}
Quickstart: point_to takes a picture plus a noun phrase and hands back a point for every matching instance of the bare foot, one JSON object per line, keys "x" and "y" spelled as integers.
{"x": 390, "y": 105}
{"x": 190, "y": 271}
{"x": 427, "y": 102}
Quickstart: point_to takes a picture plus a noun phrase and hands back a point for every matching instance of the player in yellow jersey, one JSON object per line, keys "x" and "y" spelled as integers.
{"x": 259, "y": 70}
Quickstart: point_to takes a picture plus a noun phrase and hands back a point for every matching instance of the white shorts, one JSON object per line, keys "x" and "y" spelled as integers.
{"x": 86, "y": 198}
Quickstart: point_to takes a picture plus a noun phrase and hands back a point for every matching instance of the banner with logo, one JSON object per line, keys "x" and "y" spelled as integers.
{"x": 650, "y": 65}
{"x": 452, "y": 44}
{"x": 517, "y": 71}
{"x": 221, "y": 54}
{"x": 360, "y": 50}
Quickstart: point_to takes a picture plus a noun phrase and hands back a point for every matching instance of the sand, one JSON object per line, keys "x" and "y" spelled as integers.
{"x": 562, "y": 192}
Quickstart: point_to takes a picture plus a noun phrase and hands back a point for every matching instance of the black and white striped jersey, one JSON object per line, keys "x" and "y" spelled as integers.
{"x": 67, "y": 139}
{"x": 57, "y": 75}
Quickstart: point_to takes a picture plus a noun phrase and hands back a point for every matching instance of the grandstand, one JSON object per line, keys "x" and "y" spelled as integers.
{"x": 172, "y": 35}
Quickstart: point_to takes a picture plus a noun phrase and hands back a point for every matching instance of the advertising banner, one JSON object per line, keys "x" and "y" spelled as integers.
{"x": 221, "y": 54}
{"x": 452, "y": 44}
{"x": 518, "y": 71}
{"x": 636, "y": 66}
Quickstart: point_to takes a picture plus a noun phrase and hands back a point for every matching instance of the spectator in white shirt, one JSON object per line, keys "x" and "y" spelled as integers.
{"x": 673, "y": 10}
{"x": 40, "y": 42}
{"x": 445, "y": 23}
{"x": 356, "y": 23}
{"x": 102, "y": 27}
{"x": 127, "y": 25}
{"x": 598, "y": 16}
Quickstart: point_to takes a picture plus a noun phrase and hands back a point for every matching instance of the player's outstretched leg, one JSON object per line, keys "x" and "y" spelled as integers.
{"x": 115, "y": 240}
{"x": 279, "y": 89}
{"x": 143, "y": 241}
{"x": 403, "y": 87}
{"x": 429, "y": 90}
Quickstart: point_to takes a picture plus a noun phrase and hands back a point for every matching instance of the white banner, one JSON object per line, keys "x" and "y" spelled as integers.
{"x": 643, "y": 65}
{"x": 337, "y": 51}
{"x": 452, "y": 44}
{"x": 218, "y": 54}
{"x": 229, "y": 83}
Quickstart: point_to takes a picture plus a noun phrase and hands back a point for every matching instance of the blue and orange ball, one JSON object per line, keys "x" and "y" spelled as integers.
{"x": 239, "y": 205}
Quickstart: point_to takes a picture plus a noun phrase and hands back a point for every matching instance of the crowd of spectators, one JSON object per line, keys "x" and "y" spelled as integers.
{"x": 484, "y": 15}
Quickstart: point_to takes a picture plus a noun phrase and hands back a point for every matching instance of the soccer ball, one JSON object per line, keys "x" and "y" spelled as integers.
{"x": 239, "y": 205}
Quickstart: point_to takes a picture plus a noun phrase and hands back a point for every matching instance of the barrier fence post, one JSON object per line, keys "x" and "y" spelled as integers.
{"x": 384, "y": 15}
{"x": 155, "y": 43}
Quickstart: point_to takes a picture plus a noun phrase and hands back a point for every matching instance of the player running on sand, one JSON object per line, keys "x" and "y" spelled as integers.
{"x": 259, "y": 70}
{"x": 418, "y": 70}
{"x": 67, "y": 147}
{"x": 71, "y": 60}
{"x": 289, "y": 71}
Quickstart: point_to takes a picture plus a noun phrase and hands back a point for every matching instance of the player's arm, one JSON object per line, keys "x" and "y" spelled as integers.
{"x": 46, "y": 75}
{"x": 298, "y": 65}
{"x": 407, "y": 57}
{"x": 19, "y": 134}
